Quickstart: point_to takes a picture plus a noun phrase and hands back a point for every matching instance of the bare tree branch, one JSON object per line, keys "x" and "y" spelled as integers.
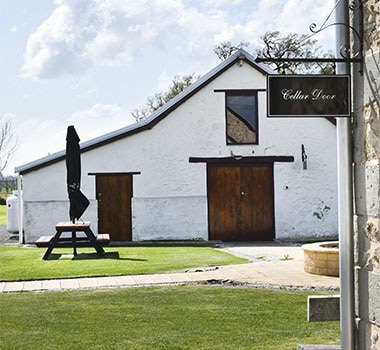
{"x": 178, "y": 84}
{"x": 8, "y": 142}
{"x": 225, "y": 49}
{"x": 292, "y": 45}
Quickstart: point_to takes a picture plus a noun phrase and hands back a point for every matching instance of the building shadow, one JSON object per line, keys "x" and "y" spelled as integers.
{"x": 91, "y": 256}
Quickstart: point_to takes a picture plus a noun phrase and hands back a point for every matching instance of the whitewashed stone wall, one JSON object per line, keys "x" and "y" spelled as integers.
{"x": 367, "y": 183}
{"x": 170, "y": 195}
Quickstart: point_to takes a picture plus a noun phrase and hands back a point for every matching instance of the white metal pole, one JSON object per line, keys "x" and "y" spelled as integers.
{"x": 345, "y": 196}
{"x": 20, "y": 210}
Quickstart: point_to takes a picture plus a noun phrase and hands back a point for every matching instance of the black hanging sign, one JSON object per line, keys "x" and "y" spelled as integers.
{"x": 308, "y": 96}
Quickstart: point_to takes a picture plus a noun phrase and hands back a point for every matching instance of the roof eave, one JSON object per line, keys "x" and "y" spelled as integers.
{"x": 155, "y": 117}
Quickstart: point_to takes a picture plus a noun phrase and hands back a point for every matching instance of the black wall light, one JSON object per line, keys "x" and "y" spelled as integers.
{"x": 304, "y": 157}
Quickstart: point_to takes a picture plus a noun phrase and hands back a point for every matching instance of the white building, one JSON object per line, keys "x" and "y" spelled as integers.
{"x": 207, "y": 165}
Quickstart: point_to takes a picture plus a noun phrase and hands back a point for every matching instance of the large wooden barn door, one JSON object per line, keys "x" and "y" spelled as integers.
{"x": 114, "y": 193}
{"x": 240, "y": 202}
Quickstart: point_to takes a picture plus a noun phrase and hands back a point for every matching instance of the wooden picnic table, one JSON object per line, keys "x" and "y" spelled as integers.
{"x": 89, "y": 240}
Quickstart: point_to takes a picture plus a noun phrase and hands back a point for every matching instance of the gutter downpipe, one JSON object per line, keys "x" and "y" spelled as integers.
{"x": 20, "y": 210}
{"x": 345, "y": 196}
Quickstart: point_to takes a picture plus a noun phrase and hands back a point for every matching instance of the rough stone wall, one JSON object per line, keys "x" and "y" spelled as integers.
{"x": 238, "y": 130}
{"x": 367, "y": 182}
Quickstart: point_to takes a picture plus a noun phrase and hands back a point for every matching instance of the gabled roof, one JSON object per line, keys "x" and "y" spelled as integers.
{"x": 155, "y": 117}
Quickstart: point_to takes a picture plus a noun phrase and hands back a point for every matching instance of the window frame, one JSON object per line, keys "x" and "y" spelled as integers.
{"x": 253, "y": 93}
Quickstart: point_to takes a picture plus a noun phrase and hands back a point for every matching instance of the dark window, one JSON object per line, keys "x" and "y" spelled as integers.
{"x": 242, "y": 119}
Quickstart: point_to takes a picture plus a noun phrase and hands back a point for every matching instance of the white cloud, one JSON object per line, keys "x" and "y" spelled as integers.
{"x": 82, "y": 33}
{"x": 99, "y": 119}
{"x": 222, "y": 3}
{"x": 103, "y": 111}
{"x": 49, "y": 136}
{"x": 7, "y": 116}
{"x": 105, "y": 48}
{"x": 316, "y": 10}
{"x": 291, "y": 16}
{"x": 164, "y": 80}
{"x": 53, "y": 49}
{"x": 87, "y": 93}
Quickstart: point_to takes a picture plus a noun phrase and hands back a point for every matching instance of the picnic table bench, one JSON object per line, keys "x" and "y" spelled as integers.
{"x": 86, "y": 240}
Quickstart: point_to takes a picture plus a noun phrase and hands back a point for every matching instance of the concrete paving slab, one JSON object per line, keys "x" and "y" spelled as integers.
{"x": 204, "y": 276}
{"x": 161, "y": 278}
{"x": 88, "y": 282}
{"x": 124, "y": 281}
{"x": 2, "y": 286}
{"x": 143, "y": 279}
{"x": 323, "y": 308}
{"x": 106, "y": 282}
{"x": 32, "y": 286}
{"x": 180, "y": 277}
{"x": 51, "y": 285}
{"x": 13, "y": 286}
{"x": 71, "y": 283}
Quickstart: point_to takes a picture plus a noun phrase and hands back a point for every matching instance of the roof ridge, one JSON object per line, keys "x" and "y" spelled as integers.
{"x": 153, "y": 118}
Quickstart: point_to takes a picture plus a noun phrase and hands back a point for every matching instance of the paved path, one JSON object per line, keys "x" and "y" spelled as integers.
{"x": 272, "y": 264}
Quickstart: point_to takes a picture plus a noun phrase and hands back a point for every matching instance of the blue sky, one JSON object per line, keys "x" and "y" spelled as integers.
{"x": 89, "y": 63}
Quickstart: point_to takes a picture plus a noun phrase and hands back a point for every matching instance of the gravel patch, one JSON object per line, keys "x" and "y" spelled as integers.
{"x": 265, "y": 251}
{"x": 6, "y": 237}
{"x": 232, "y": 283}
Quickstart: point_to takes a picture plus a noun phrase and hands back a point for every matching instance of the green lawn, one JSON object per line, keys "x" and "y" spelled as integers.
{"x": 183, "y": 317}
{"x": 3, "y": 214}
{"x": 25, "y": 263}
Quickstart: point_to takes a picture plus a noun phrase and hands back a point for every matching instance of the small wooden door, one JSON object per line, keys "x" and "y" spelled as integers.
{"x": 240, "y": 202}
{"x": 114, "y": 193}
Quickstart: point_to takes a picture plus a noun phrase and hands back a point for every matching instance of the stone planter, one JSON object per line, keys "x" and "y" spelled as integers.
{"x": 322, "y": 258}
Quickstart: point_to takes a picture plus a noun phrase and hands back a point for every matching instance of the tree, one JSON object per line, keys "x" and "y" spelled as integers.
{"x": 277, "y": 45}
{"x": 292, "y": 45}
{"x": 225, "y": 49}
{"x": 8, "y": 142}
{"x": 178, "y": 84}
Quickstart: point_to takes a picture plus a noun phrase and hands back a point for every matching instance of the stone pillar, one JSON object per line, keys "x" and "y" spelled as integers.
{"x": 366, "y": 90}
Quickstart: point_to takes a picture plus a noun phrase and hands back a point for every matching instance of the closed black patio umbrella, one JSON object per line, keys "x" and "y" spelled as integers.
{"x": 78, "y": 201}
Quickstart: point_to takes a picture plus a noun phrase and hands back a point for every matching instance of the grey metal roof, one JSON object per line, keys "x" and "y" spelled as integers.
{"x": 151, "y": 120}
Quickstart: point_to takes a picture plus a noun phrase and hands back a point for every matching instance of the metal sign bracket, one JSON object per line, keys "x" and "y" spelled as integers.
{"x": 353, "y": 54}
